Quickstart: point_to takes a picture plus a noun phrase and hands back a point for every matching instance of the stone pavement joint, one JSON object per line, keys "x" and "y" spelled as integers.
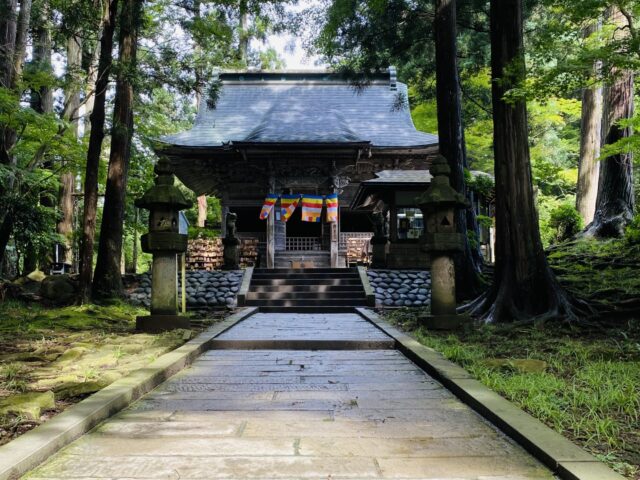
{"x": 297, "y": 414}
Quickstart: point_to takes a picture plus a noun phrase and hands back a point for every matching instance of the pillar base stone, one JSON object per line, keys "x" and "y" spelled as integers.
{"x": 444, "y": 322}
{"x": 161, "y": 323}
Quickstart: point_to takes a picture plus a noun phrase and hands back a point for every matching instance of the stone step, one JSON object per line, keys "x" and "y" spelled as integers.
{"x": 304, "y": 270}
{"x": 309, "y": 302}
{"x": 305, "y": 288}
{"x": 306, "y": 281}
{"x": 303, "y": 295}
{"x": 306, "y": 275}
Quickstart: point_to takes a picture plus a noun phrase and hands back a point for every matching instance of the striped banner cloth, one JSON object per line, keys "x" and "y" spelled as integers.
{"x": 269, "y": 202}
{"x": 332, "y": 207}
{"x": 312, "y": 208}
{"x": 288, "y": 205}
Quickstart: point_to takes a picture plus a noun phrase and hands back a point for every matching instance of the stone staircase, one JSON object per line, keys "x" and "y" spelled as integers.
{"x": 306, "y": 290}
{"x": 312, "y": 259}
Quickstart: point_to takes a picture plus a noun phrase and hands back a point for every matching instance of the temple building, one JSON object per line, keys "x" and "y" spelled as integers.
{"x": 312, "y": 133}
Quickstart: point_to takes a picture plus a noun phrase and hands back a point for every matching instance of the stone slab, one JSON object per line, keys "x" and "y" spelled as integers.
{"x": 548, "y": 446}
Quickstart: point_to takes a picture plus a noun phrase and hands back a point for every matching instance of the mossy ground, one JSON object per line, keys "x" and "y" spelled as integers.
{"x": 606, "y": 273}
{"x": 589, "y": 391}
{"x": 71, "y": 351}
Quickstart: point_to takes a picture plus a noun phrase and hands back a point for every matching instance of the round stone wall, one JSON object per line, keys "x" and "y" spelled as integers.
{"x": 205, "y": 289}
{"x": 401, "y": 288}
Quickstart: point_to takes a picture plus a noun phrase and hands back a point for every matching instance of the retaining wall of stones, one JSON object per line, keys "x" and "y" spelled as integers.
{"x": 205, "y": 289}
{"x": 401, "y": 288}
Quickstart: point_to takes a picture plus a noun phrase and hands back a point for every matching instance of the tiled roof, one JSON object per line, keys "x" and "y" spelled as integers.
{"x": 400, "y": 176}
{"x": 315, "y": 108}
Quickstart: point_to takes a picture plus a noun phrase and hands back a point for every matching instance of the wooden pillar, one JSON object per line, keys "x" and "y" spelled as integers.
{"x": 335, "y": 241}
{"x": 271, "y": 254}
{"x": 334, "y": 244}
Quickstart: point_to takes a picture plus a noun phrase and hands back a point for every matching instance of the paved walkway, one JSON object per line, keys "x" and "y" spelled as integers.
{"x": 296, "y": 414}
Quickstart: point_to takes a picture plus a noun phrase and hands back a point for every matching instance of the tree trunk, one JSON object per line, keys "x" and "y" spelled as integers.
{"x": 42, "y": 102}
{"x": 107, "y": 282}
{"x": 615, "y": 199}
{"x": 524, "y": 286}
{"x": 243, "y": 34}
{"x": 71, "y": 112}
{"x": 589, "y": 166}
{"x": 96, "y": 137}
{"x": 8, "y": 26}
{"x": 14, "y": 28}
{"x": 451, "y": 139}
{"x": 19, "y": 52}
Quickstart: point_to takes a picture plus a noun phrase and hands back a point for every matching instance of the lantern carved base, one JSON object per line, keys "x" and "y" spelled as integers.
{"x": 161, "y": 323}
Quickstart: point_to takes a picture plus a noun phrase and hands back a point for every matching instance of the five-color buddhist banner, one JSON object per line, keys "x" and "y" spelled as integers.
{"x": 332, "y": 207}
{"x": 288, "y": 205}
{"x": 311, "y": 206}
{"x": 269, "y": 202}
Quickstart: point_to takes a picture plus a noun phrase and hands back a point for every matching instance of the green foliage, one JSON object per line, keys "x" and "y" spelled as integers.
{"x": 588, "y": 391}
{"x": 566, "y": 221}
{"x": 484, "y": 221}
{"x": 482, "y": 184}
{"x": 632, "y": 233}
{"x": 425, "y": 116}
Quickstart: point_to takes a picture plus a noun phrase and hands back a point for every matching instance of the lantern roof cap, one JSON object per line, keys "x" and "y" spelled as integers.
{"x": 164, "y": 193}
{"x": 440, "y": 193}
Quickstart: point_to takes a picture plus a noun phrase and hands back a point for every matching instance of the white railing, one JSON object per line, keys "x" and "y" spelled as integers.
{"x": 303, "y": 243}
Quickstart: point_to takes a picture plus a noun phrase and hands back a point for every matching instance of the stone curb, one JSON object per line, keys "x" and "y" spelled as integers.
{"x": 29, "y": 450}
{"x": 368, "y": 289}
{"x": 244, "y": 286}
{"x": 564, "y": 458}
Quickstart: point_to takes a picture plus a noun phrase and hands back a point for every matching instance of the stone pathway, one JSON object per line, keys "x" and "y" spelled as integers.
{"x": 296, "y": 414}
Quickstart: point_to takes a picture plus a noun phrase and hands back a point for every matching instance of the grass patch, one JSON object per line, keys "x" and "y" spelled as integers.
{"x": 589, "y": 391}
{"x": 70, "y": 351}
{"x": 604, "y": 272}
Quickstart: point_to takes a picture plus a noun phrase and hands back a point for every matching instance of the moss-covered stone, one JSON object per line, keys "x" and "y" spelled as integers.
{"x": 71, "y": 355}
{"x": 23, "y": 357}
{"x": 28, "y": 404}
{"x": 76, "y": 389}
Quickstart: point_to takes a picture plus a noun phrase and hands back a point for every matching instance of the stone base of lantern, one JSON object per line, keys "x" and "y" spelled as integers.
{"x": 161, "y": 323}
{"x": 443, "y": 322}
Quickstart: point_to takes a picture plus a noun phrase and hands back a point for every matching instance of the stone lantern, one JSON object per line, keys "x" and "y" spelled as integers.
{"x": 164, "y": 201}
{"x": 441, "y": 241}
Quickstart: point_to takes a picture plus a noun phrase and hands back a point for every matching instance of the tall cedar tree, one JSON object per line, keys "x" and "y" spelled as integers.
{"x": 70, "y": 114}
{"x": 42, "y": 102}
{"x": 14, "y": 29}
{"x": 615, "y": 200}
{"x": 107, "y": 282}
{"x": 451, "y": 136}
{"x": 524, "y": 286}
{"x": 96, "y": 137}
{"x": 590, "y": 133}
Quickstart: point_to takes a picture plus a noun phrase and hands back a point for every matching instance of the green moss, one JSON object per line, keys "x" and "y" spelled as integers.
{"x": 73, "y": 351}
{"x": 28, "y": 404}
